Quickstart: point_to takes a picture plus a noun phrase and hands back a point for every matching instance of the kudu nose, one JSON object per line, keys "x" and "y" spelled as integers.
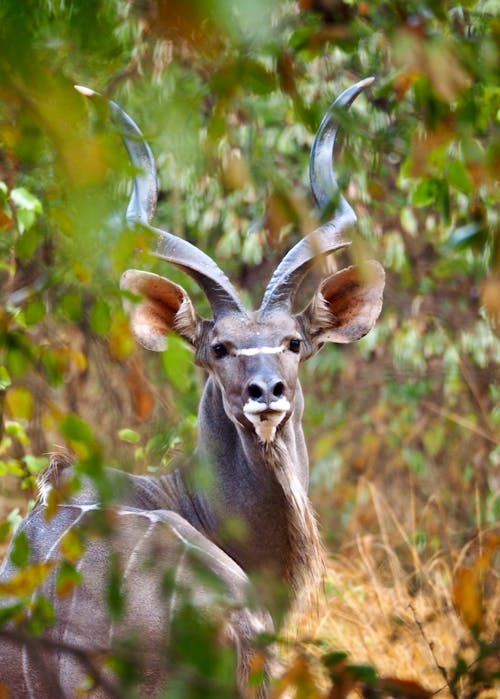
{"x": 266, "y": 390}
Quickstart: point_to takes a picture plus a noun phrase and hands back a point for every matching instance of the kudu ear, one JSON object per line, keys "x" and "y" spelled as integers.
{"x": 163, "y": 307}
{"x": 346, "y": 305}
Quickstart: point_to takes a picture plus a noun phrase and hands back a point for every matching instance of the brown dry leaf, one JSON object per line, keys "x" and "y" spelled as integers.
{"x": 423, "y": 146}
{"x": 490, "y": 299}
{"x": 180, "y": 22}
{"x": 277, "y": 217}
{"x": 445, "y": 72}
{"x": 345, "y": 682}
{"x": 283, "y": 209}
{"x": 257, "y": 666}
{"x": 286, "y": 73}
{"x": 434, "y": 60}
{"x": 403, "y": 81}
{"x": 142, "y": 396}
{"x": 469, "y": 576}
{"x": 376, "y": 190}
{"x": 4, "y": 692}
{"x": 5, "y": 220}
{"x": 298, "y": 677}
{"x": 26, "y": 580}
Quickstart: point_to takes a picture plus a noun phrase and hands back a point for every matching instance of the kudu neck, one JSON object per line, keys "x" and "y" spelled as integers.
{"x": 255, "y": 505}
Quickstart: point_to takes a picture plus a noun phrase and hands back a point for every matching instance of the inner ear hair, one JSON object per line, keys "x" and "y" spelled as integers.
{"x": 186, "y": 320}
{"x": 164, "y": 307}
{"x": 347, "y": 303}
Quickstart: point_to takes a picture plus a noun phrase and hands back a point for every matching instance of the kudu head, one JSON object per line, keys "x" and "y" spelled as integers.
{"x": 253, "y": 356}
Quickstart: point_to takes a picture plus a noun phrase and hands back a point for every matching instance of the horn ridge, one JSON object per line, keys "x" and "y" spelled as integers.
{"x": 321, "y": 170}
{"x": 220, "y": 293}
{"x": 329, "y": 237}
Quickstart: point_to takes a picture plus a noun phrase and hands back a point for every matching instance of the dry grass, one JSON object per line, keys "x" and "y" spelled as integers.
{"x": 403, "y": 618}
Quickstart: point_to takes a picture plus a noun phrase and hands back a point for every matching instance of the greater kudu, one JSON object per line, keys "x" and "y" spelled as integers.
{"x": 249, "y": 436}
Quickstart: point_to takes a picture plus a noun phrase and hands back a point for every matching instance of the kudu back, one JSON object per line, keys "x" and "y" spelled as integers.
{"x": 176, "y": 555}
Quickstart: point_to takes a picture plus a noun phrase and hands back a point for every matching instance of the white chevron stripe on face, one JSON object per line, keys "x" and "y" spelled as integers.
{"x": 252, "y": 351}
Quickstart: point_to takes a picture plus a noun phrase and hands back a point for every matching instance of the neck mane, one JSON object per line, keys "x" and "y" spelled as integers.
{"x": 305, "y": 565}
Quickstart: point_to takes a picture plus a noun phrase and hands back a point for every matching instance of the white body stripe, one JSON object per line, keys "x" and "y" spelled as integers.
{"x": 24, "y": 652}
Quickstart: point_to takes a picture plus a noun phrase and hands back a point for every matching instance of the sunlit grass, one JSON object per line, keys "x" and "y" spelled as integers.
{"x": 408, "y": 622}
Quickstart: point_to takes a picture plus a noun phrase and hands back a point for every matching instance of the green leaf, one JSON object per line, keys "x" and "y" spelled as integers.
{"x": 128, "y": 435}
{"x": 425, "y": 193}
{"x": 71, "y": 306}
{"x": 42, "y": 615}
{"x": 4, "y": 378}
{"x": 34, "y": 312}
{"x": 27, "y": 244}
{"x": 67, "y": 577}
{"x": 114, "y": 594}
{"x": 13, "y": 611}
{"x": 25, "y": 219}
{"x": 415, "y": 460}
{"x": 458, "y": 177}
{"x": 28, "y": 206}
{"x": 25, "y": 200}
{"x": 330, "y": 660}
{"x": 35, "y": 464}
{"x": 5, "y": 530}
{"x": 177, "y": 362}
{"x": 365, "y": 673}
{"x": 100, "y": 317}
{"x": 76, "y": 429}
{"x": 20, "y": 552}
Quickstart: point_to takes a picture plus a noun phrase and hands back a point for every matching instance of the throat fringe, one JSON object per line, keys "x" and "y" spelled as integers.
{"x": 306, "y": 565}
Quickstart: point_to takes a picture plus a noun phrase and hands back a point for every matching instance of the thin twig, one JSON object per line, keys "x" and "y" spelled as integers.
{"x": 430, "y": 646}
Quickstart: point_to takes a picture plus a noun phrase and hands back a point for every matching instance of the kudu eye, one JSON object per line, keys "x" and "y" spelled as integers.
{"x": 219, "y": 350}
{"x": 294, "y": 345}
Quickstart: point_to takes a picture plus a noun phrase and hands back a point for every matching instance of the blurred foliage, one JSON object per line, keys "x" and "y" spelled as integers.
{"x": 229, "y": 94}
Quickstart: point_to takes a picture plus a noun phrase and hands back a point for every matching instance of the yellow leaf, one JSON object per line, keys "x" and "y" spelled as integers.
{"x": 19, "y": 402}
{"x": 52, "y": 501}
{"x": 26, "y": 580}
{"x": 120, "y": 338}
{"x": 72, "y": 546}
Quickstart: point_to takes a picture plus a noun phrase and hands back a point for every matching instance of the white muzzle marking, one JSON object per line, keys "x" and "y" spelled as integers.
{"x": 265, "y": 425}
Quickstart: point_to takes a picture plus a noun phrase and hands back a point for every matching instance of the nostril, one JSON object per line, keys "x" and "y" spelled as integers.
{"x": 278, "y": 389}
{"x": 255, "y": 391}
